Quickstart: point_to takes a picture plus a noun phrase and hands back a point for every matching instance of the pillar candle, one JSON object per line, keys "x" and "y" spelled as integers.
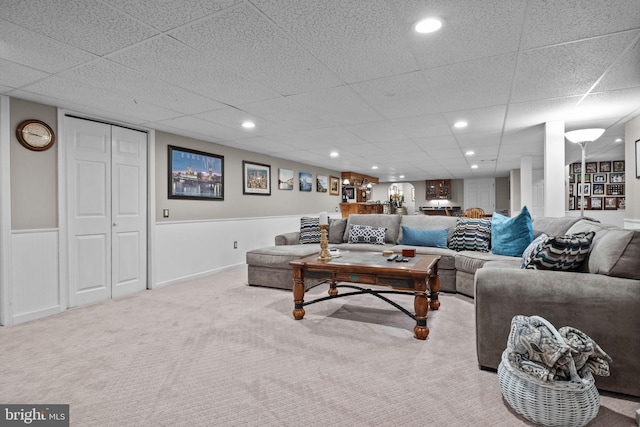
{"x": 324, "y": 218}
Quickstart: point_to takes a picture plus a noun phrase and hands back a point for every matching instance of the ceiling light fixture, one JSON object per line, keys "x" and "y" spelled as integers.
{"x": 460, "y": 124}
{"x": 583, "y": 137}
{"x": 474, "y": 166}
{"x": 248, "y": 124}
{"x": 374, "y": 167}
{"x": 470, "y": 153}
{"x": 334, "y": 154}
{"x": 618, "y": 140}
{"x": 428, "y": 25}
{"x": 401, "y": 176}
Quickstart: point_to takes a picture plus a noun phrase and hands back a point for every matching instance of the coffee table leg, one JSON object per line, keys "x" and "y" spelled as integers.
{"x": 298, "y": 293}
{"x": 434, "y": 287}
{"x": 421, "y": 306}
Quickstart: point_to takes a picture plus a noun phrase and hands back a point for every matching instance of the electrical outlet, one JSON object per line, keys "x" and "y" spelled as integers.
{"x": 235, "y": 245}
{"x": 165, "y": 213}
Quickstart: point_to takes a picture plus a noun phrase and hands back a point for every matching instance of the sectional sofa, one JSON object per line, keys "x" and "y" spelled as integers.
{"x": 601, "y": 297}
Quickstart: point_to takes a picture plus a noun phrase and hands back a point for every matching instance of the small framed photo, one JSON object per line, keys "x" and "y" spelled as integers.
{"x": 577, "y": 168}
{"x": 285, "y": 179}
{"x": 334, "y": 186}
{"x": 600, "y": 177}
{"x": 621, "y": 203}
{"x": 618, "y": 166}
{"x": 256, "y": 178}
{"x": 584, "y": 189}
{"x": 571, "y": 187}
{"x": 615, "y": 189}
{"x": 306, "y": 181}
{"x": 605, "y": 166}
{"x": 322, "y": 183}
{"x": 591, "y": 167}
{"x": 595, "y": 203}
{"x": 587, "y": 177}
{"x": 572, "y": 203}
{"x": 597, "y": 190}
{"x": 572, "y": 178}
{"x": 610, "y": 203}
{"x": 617, "y": 178}
{"x": 586, "y": 202}
{"x": 350, "y": 192}
{"x": 195, "y": 174}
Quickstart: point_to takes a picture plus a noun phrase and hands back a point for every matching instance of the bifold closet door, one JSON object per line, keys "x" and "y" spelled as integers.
{"x": 106, "y": 192}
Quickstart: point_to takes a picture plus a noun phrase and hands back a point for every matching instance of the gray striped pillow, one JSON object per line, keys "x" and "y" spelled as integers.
{"x": 471, "y": 234}
{"x": 561, "y": 253}
{"x": 309, "y": 230}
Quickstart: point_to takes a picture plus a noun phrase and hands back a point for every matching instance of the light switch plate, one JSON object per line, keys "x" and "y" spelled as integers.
{"x": 165, "y": 213}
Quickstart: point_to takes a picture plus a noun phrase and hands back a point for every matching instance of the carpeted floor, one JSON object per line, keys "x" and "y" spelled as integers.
{"x": 216, "y": 352}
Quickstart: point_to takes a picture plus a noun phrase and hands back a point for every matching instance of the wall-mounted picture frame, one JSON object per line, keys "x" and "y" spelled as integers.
{"x": 597, "y": 190}
{"x": 579, "y": 202}
{"x": 610, "y": 203}
{"x": 571, "y": 189}
{"x": 256, "y": 178}
{"x": 615, "y": 189}
{"x": 618, "y": 166}
{"x": 621, "y": 203}
{"x": 577, "y": 168}
{"x": 587, "y": 177}
{"x": 285, "y": 179}
{"x": 599, "y": 177}
{"x": 322, "y": 184}
{"x": 350, "y": 192}
{"x": 616, "y": 178}
{"x": 591, "y": 167}
{"x": 605, "y": 166}
{"x": 595, "y": 203}
{"x": 572, "y": 203}
{"x": 306, "y": 181}
{"x": 195, "y": 175}
{"x": 334, "y": 186}
{"x": 586, "y": 188}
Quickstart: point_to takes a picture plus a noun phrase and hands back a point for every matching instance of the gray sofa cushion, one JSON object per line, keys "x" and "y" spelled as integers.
{"x": 280, "y": 256}
{"x": 553, "y": 226}
{"x": 336, "y": 230}
{"x": 391, "y": 222}
{"x": 614, "y": 252}
{"x": 471, "y": 261}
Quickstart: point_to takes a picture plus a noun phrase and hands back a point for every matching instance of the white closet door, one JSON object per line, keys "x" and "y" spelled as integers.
{"x": 107, "y": 193}
{"x": 480, "y": 193}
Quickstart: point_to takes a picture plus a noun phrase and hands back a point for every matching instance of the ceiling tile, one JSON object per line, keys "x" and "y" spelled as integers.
{"x": 284, "y": 111}
{"x": 234, "y": 117}
{"x": 478, "y": 119}
{"x": 423, "y": 126}
{"x": 382, "y": 131}
{"x": 98, "y": 29}
{"x": 16, "y": 75}
{"x": 624, "y": 73}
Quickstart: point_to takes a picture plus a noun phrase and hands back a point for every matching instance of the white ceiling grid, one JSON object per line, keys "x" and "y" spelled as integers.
{"x": 346, "y": 76}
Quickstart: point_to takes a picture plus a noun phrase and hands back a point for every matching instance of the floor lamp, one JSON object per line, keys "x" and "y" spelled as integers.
{"x": 583, "y": 137}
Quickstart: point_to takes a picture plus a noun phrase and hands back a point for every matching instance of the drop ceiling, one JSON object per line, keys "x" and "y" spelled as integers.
{"x": 345, "y": 76}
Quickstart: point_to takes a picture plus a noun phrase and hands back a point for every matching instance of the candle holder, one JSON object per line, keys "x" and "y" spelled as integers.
{"x": 324, "y": 255}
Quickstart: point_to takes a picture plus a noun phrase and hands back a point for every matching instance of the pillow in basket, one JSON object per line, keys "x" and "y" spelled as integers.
{"x": 561, "y": 253}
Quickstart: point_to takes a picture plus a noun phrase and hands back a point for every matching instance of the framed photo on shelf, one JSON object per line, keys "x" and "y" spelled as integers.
{"x": 195, "y": 175}
{"x": 306, "y": 181}
{"x": 285, "y": 179}
{"x": 256, "y": 178}
{"x": 599, "y": 177}
{"x": 322, "y": 184}
{"x": 334, "y": 186}
{"x": 617, "y": 178}
{"x": 610, "y": 203}
{"x": 584, "y": 188}
{"x": 595, "y": 203}
{"x": 591, "y": 167}
{"x": 605, "y": 166}
{"x": 618, "y": 166}
{"x": 597, "y": 190}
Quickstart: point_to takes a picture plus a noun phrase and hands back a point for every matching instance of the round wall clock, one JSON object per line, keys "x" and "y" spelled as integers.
{"x": 35, "y": 135}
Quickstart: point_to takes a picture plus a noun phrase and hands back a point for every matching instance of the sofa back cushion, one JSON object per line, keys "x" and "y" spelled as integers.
{"x": 428, "y": 222}
{"x": 615, "y": 251}
{"x": 511, "y": 236}
{"x": 390, "y": 222}
{"x": 553, "y": 226}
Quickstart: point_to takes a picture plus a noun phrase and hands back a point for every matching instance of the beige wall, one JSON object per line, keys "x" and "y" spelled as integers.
{"x": 502, "y": 194}
{"x": 34, "y": 174}
{"x": 235, "y": 203}
{"x": 632, "y": 184}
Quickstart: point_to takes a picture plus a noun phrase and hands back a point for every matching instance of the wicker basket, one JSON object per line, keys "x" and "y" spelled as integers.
{"x": 555, "y": 403}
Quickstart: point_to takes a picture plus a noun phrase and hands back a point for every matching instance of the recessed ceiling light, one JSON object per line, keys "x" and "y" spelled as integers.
{"x": 470, "y": 153}
{"x": 428, "y": 25}
{"x": 401, "y": 176}
{"x": 374, "y": 167}
{"x": 334, "y": 154}
{"x": 618, "y": 139}
{"x": 460, "y": 124}
{"x": 474, "y": 166}
{"x": 248, "y": 124}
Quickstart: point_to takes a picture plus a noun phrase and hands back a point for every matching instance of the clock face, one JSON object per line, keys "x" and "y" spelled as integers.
{"x": 35, "y": 135}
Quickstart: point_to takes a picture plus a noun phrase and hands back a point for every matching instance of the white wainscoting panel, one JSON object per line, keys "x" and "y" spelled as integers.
{"x": 35, "y": 286}
{"x": 195, "y": 248}
{"x": 606, "y": 217}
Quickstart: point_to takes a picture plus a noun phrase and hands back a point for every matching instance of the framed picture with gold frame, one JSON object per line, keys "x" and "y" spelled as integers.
{"x": 334, "y": 186}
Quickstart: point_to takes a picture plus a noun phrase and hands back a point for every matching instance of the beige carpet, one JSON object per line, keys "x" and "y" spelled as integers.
{"x": 216, "y": 352}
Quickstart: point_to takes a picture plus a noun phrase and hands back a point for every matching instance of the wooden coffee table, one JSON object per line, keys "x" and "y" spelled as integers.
{"x": 372, "y": 268}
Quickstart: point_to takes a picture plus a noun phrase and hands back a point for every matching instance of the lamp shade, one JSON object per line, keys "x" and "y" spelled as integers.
{"x": 584, "y": 135}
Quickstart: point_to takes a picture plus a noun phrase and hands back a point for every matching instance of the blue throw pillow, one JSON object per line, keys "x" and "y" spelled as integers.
{"x": 511, "y": 236}
{"x": 433, "y": 238}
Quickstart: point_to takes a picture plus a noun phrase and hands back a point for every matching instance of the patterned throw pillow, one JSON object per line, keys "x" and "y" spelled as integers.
{"x": 533, "y": 249}
{"x": 562, "y": 252}
{"x": 309, "y": 230}
{"x": 471, "y": 234}
{"x": 367, "y": 234}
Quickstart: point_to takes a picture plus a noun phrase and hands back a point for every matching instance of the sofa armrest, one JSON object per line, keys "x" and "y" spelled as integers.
{"x": 605, "y": 308}
{"x": 292, "y": 238}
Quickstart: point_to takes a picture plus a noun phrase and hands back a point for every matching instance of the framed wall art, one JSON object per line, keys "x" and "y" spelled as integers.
{"x": 605, "y": 166}
{"x": 334, "y": 186}
{"x": 285, "y": 179}
{"x": 256, "y": 178}
{"x": 350, "y": 192}
{"x": 591, "y": 167}
{"x": 595, "y": 203}
{"x": 597, "y": 190}
{"x": 599, "y": 177}
{"x": 572, "y": 203}
{"x": 618, "y": 166}
{"x": 322, "y": 183}
{"x": 586, "y": 188}
{"x": 195, "y": 174}
{"x": 306, "y": 181}
{"x": 611, "y": 203}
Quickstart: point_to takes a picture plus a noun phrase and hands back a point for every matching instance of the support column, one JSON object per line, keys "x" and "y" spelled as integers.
{"x": 554, "y": 169}
{"x": 526, "y": 182}
{"x": 514, "y": 192}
